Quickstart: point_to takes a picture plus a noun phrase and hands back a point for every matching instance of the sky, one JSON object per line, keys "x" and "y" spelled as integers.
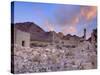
{"x": 68, "y": 19}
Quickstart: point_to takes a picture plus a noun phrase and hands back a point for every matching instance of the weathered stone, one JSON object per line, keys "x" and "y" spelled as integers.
{"x": 47, "y": 59}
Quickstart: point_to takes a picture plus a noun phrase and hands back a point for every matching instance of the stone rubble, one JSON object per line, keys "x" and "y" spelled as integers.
{"x": 47, "y": 59}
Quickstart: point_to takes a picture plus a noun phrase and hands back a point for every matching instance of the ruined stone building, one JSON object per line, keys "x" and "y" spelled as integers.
{"x": 21, "y": 38}
{"x": 50, "y": 51}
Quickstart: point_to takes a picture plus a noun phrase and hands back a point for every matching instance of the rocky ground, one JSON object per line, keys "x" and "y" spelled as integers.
{"x": 47, "y": 59}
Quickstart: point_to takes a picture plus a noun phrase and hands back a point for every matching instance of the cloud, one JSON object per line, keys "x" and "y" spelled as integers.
{"x": 68, "y": 19}
{"x": 75, "y": 20}
{"x": 73, "y": 17}
{"x": 88, "y": 12}
{"x": 72, "y": 29}
{"x": 68, "y": 24}
{"x": 69, "y": 29}
{"x": 66, "y": 15}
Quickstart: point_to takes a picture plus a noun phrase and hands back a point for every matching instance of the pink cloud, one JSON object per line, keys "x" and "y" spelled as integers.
{"x": 88, "y": 12}
{"x": 69, "y": 29}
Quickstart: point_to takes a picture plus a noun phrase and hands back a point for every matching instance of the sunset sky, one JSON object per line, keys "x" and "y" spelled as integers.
{"x": 68, "y": 19}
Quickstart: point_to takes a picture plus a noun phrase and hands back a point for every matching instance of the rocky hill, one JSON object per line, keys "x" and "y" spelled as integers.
{"x": 37, "y": 33}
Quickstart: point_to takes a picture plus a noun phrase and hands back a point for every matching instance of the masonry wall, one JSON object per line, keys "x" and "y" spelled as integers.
{"x": 20, "y": 36}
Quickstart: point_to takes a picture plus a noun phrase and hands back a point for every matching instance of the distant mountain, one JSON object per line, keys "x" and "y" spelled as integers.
{"x": 29, "y": 27}
{"x": 37, "y": 33}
